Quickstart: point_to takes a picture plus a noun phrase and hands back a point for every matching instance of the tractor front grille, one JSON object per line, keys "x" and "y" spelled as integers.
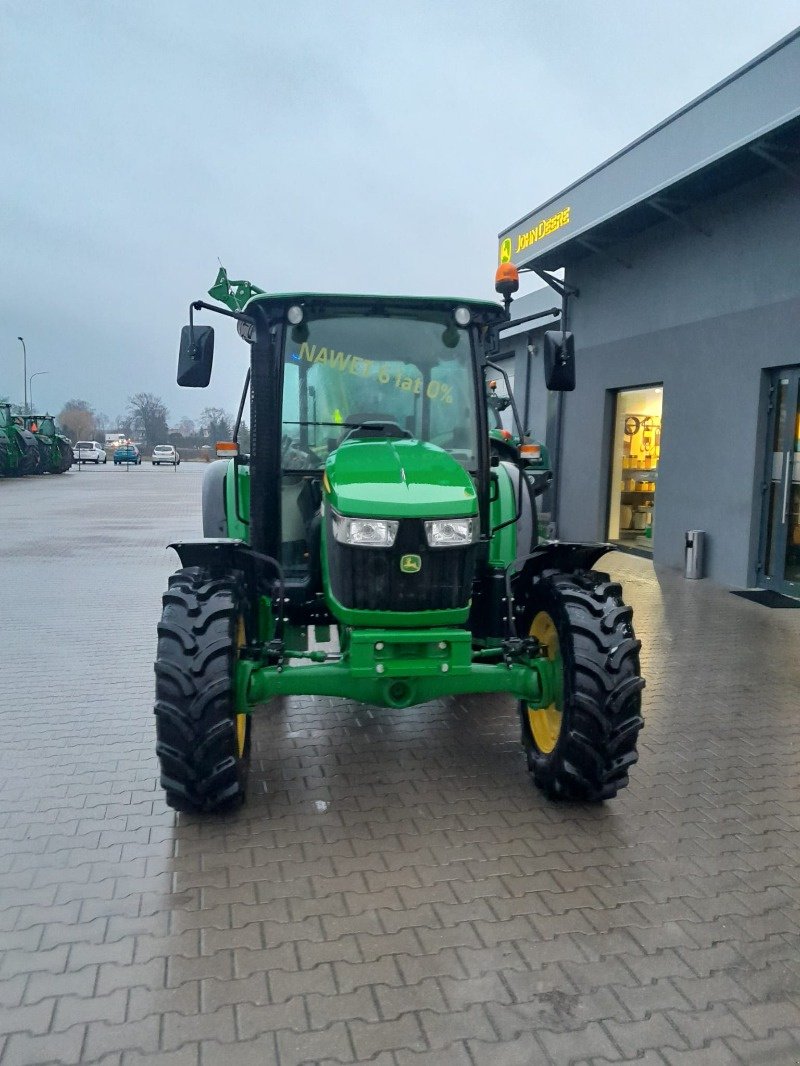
{"x": 370, "y": 579}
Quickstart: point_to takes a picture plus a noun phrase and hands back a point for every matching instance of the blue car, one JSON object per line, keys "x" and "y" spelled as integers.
{"x": 127, "y": 453}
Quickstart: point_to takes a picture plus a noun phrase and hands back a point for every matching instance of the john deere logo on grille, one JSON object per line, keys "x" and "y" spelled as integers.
{"x": 411, "y": 564}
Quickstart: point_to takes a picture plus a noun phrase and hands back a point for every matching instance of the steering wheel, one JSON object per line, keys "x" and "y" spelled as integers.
{"x": 377, "y": 427}
{"x": 296, "y": 456}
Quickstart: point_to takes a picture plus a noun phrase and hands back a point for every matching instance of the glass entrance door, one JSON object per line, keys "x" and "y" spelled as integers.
{"x": 780, "y": 552}
{"x": 634, "y": 467}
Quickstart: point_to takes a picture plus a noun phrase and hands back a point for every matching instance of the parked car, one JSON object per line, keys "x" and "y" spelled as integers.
{"x": 165, "y": 453}
{"x": 89, "y": 451}
{"x": 127, "y": 453}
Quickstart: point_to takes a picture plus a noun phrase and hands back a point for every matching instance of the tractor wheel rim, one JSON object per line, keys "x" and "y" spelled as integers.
{"x": 545, "y": 722}
{"x": 241, "y": 719}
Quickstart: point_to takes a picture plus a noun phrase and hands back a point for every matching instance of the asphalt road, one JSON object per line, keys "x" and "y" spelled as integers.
{"x": 395, "y": 892}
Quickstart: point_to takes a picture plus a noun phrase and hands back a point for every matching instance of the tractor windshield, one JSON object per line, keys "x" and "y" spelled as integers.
{"x": 343, "y": 370}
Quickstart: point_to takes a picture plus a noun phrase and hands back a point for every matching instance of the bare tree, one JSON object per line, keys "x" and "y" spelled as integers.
{"x": 77, "y": 419}
{"x": 149, "y": 416}
{"x": 124, "y": 423}
{"x": 102, "y": 422}
{"x": 216, "y": 424}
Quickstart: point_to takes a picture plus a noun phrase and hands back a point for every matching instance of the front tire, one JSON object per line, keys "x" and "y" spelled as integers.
{"x": 582, "y": 746}
{"x": 203, "y": 745}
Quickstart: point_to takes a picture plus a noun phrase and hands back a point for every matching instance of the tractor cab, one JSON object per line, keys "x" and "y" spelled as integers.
{"x": 380, "y": 412}
{"x": 42, "y": 424}
{"x": 369, "y": 444}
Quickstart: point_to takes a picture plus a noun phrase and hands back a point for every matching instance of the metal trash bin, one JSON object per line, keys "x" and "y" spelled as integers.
{"x": 695, "y": 558}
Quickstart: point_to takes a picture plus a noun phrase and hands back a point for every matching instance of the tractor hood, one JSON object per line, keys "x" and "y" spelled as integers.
{"x": 397, "y": 479}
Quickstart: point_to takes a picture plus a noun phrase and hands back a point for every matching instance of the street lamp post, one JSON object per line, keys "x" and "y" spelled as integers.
{"x": 24, "y": 373}
{"x": 30, "y": 385}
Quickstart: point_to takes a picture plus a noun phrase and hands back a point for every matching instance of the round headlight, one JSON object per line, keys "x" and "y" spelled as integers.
{"x": 295, "y": 314}
{"x": 462, "y": 316}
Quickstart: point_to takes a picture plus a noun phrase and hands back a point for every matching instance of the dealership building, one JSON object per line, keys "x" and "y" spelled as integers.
{"x": 680, "y": 256}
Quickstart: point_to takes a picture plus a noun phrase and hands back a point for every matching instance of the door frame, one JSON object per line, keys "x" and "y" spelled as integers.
{"x": 612, "y": 394}
{"x": 777, "y": 581}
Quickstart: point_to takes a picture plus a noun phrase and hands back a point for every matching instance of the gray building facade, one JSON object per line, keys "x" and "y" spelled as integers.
{"x": 683, "y": 252}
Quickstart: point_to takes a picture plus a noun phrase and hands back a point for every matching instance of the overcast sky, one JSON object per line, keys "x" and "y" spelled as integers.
{"x": 334, "y": 146}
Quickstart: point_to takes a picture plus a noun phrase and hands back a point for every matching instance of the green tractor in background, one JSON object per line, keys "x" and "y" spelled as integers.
{"x": 376, "y": 502}
{"x": 19, "y": 451}
{"x": 55, "y": 450}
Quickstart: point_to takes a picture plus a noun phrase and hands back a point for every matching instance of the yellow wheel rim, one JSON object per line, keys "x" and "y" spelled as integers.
{"x": 545, "y": 722}
{"x": 241, "y": 719}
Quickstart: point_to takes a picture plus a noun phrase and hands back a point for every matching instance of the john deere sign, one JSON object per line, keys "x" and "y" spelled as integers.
{"x": 526, "y": 239}
{"x": 542, "y": 229}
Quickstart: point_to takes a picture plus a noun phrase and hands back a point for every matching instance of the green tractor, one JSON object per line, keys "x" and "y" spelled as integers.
{"x": 374, "y": 502}
{"x": 55, "y": 450}
{"x": 19, "y": 451}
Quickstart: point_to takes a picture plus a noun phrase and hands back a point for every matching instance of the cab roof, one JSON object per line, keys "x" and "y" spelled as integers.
{"x": 485, "y": 310}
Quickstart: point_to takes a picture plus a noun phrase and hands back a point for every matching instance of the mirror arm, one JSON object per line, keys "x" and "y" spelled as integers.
{"x": 201, "y": 305}
{"x": 529, "y": 318}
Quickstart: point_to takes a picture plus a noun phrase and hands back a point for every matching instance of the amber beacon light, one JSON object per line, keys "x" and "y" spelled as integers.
{"x": 506, "y": 281}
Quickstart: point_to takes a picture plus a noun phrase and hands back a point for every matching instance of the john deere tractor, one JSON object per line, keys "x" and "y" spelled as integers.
{"x": 55, "y": 450}
{"x": 19, "y": 452}
{"x": 375, "y": 503}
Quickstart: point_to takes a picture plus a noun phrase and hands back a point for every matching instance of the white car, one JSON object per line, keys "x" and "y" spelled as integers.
{"x": 89, "y": 451}
{"x": 165, "y": 453}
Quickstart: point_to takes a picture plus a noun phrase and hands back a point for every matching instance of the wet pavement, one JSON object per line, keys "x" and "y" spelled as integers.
{"x": 395, "y": 891}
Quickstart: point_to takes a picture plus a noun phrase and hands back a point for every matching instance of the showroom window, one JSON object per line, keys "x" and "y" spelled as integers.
{"x": 634, "y": 467}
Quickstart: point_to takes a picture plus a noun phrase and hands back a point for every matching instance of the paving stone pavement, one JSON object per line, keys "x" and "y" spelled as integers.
{"x": 395, "y": 892}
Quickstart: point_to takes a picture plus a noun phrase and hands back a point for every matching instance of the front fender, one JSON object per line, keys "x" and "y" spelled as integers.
{"x": 214, "y": 553}
{"x": 562, "y": 555}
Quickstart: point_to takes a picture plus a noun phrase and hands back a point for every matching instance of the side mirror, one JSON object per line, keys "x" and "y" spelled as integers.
{"x": 196, "y": 356}
{"x": 559, "y": 361}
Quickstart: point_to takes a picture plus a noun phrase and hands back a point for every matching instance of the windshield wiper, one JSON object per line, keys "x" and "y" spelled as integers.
{"x": 346, "y": 425}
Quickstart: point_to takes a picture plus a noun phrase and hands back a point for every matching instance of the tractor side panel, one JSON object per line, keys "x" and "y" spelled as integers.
{"x": 237, "y": 500}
